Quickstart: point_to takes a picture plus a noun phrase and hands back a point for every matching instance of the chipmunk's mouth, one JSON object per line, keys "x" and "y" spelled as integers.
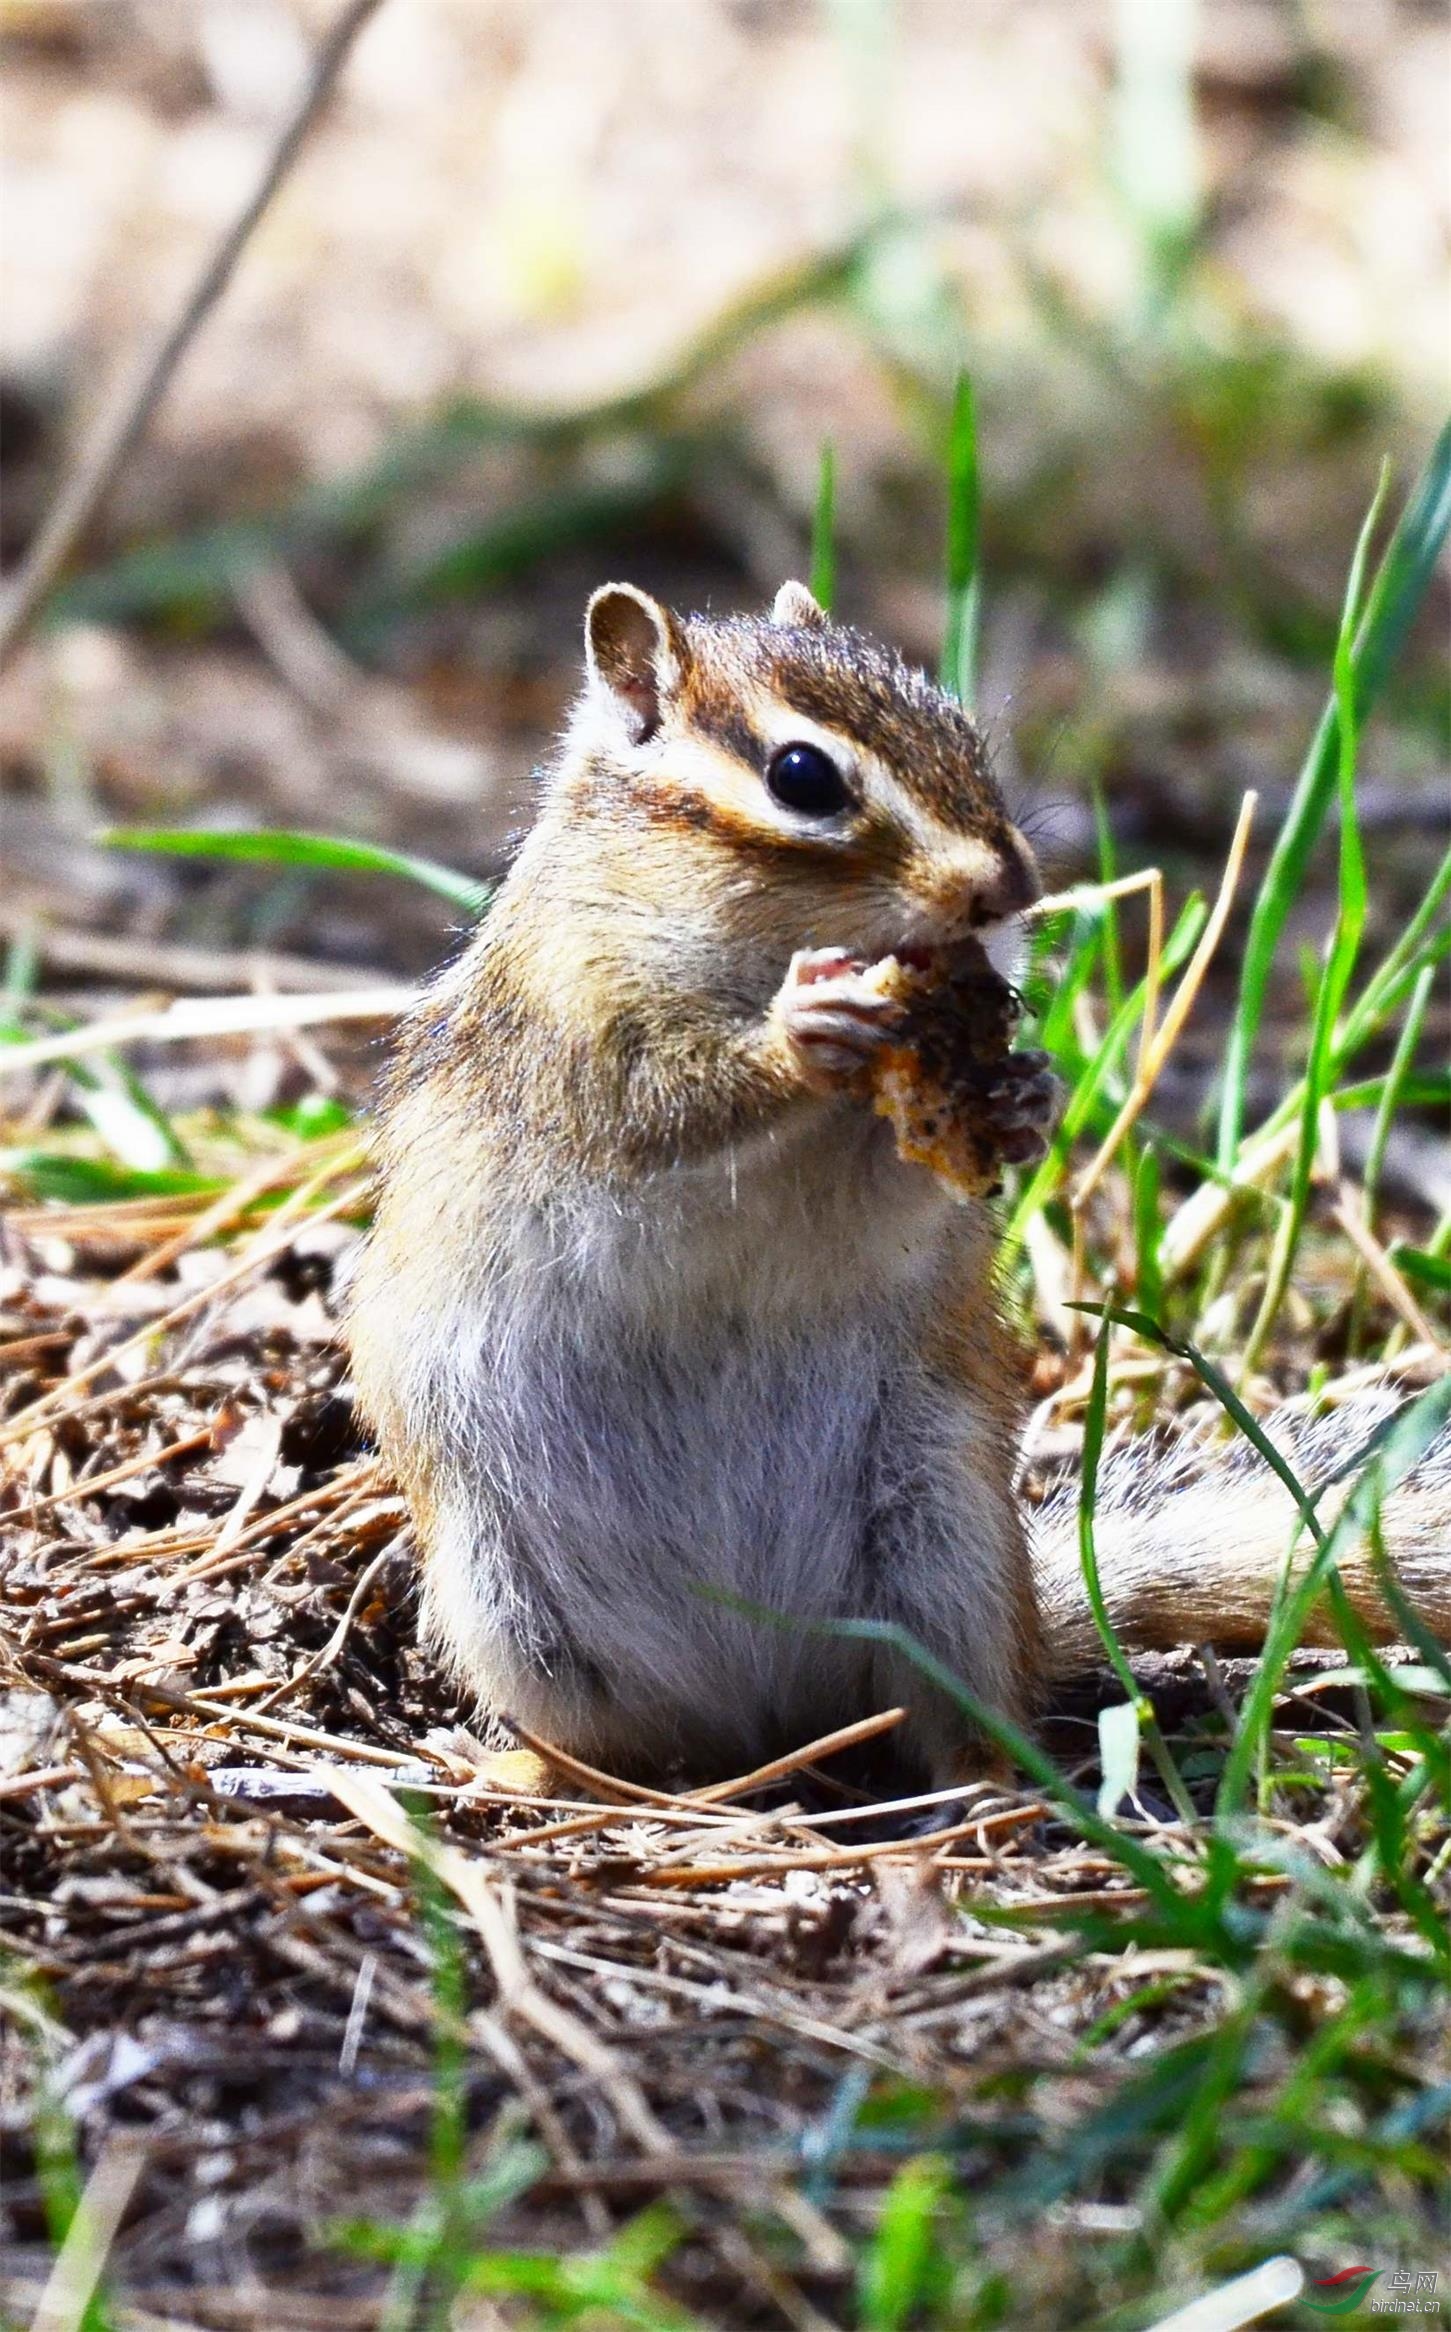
{"x": 947, "y": 955}
{"x": 1004, "y": 945}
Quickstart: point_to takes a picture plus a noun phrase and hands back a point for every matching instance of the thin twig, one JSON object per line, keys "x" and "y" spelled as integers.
{"x": 811, "y": 1753}
{"x": 88, "y": 1486}
{"x": 122, "y": 426}
{"x": 491, "y": 1910}
{"x": 1092, "y": 894}
{"x": 1349, "y": 1213}
{"x": 274, "y": 1243}
{"x": 1153, "y": 1055}
{"x": 44, "y": 1777}
{"x": 207, "y": 1016}
{"x": 325, "y": 1657}
{"x": 159, "y": 963}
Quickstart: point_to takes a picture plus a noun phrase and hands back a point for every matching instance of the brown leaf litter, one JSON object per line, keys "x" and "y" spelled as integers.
{"x": 211, "y": 1705}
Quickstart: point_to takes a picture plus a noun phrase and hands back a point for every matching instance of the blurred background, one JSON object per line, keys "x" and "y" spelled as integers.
{"x": 567, "y": 289}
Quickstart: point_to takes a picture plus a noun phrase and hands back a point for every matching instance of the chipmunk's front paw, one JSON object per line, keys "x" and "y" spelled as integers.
{"x": 830, "y": 1020}
{"x": 1020, "y": 1108}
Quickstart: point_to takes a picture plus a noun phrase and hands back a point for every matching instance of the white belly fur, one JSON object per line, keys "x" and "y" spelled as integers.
{"x": 640, "y": 1405}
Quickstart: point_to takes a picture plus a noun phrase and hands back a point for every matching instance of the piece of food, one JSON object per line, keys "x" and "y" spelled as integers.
{"x": 933, "y": 1078}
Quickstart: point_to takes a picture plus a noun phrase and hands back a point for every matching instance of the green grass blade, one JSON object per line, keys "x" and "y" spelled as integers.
{"x": 61, "y": 2182}
{"x": 1419, "y": 946}
{"x": 76, "y": 1181}
{"x": 1395, "y": 596}
{"x": 1394, "y": 1453}
{"x": 959, "y": 646}
{"x": 903, "y": 2268}
{"x": 1095, "y": 1419}
{"x": 326, "y": 853}
{"x": 1190, "y": 2150}
{"x": 1334, "y": 981}
{"x": 22, "y": 966}
{"x": 1093, "y": 1430}
{"x": 486, "y": 556}
{"x": 1400, "y": 584}
{"x": 1108, "y": 873}
{"x": 823, "y": 532}
{"x": 1417, "y": 1263}
{"x": 1148, "y": 1235}
{"x": 1087, "y": 1079}
{"x": 1395, "y": 1088}
{"x": 1151, "y": 1872}
{"x": 1078, "y": 955}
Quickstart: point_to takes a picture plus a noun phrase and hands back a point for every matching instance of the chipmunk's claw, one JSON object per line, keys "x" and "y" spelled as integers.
{"x": 831, "y": 1021}
{"x": 1020, "y": 1108}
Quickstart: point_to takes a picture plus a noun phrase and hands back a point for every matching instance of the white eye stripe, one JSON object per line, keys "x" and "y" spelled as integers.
{"x": 944, "y": 843}
{"x": 932, "y": 835}
{"x": 713, "y": 773}
{"x": 743, "y": 790}
{"x": 780, "y": 724}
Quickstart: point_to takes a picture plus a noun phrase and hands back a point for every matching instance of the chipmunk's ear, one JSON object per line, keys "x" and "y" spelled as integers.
{"x": 635, "y": 652}
{"x": 794, "y": 606}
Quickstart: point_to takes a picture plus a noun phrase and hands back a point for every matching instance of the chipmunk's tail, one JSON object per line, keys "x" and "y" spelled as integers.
{"x": 1191, "y": 1546}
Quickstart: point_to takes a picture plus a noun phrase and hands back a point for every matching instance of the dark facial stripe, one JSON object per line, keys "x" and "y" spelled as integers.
{"x": 727, "y": 726}
{"x": 660, "y": 803}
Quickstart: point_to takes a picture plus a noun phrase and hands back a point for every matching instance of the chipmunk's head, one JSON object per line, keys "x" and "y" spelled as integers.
{"x": 840, "y": 796}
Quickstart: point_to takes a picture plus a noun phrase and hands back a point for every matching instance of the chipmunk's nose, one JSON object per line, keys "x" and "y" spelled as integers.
{"x": 1014, "y": 884}
{"x": 976, "y": 886}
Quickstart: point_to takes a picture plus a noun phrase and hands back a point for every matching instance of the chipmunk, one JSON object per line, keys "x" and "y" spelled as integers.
{"x": 655, "y": 1322}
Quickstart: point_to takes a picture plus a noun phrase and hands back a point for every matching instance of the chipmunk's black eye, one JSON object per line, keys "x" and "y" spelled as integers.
{"x": 806, "y": 780}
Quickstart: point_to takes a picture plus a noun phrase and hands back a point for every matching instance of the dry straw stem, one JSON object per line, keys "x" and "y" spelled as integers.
{"x": 208, "y": 1016}
{"x": 1198, "y": 1220}
{"x": 1349, "y": 1212}
{"x": 274, "y": 1242}
{"x": 234, "y": 1719}
{"x": 345, "y": 1498}
{"x": 610, "y": 1786}
{"x": 826, "y": 1745}
{"x": 328, "y": 1653}
{"x": 340, "y": 1501}
{"x": 25, "y": 1785}
{"x": 696, "y": 1802}
{"x": 1148, "y": 878}
{"x": 160, "y": 963}
{"x": 1158, "y": 1040}
{"x": 1092, "y": 894}
{"x": 82, "y": 2256}
{"x": 233, "y": 1203}
{"x": 519, "y": 1995}
{"x": 756, "y": 2003}
{"x": 122, "y": 426}
{"x": 589, "y": 1821}
{"x": 90, "y": 1485}
{"x": 584, "y": 1821}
